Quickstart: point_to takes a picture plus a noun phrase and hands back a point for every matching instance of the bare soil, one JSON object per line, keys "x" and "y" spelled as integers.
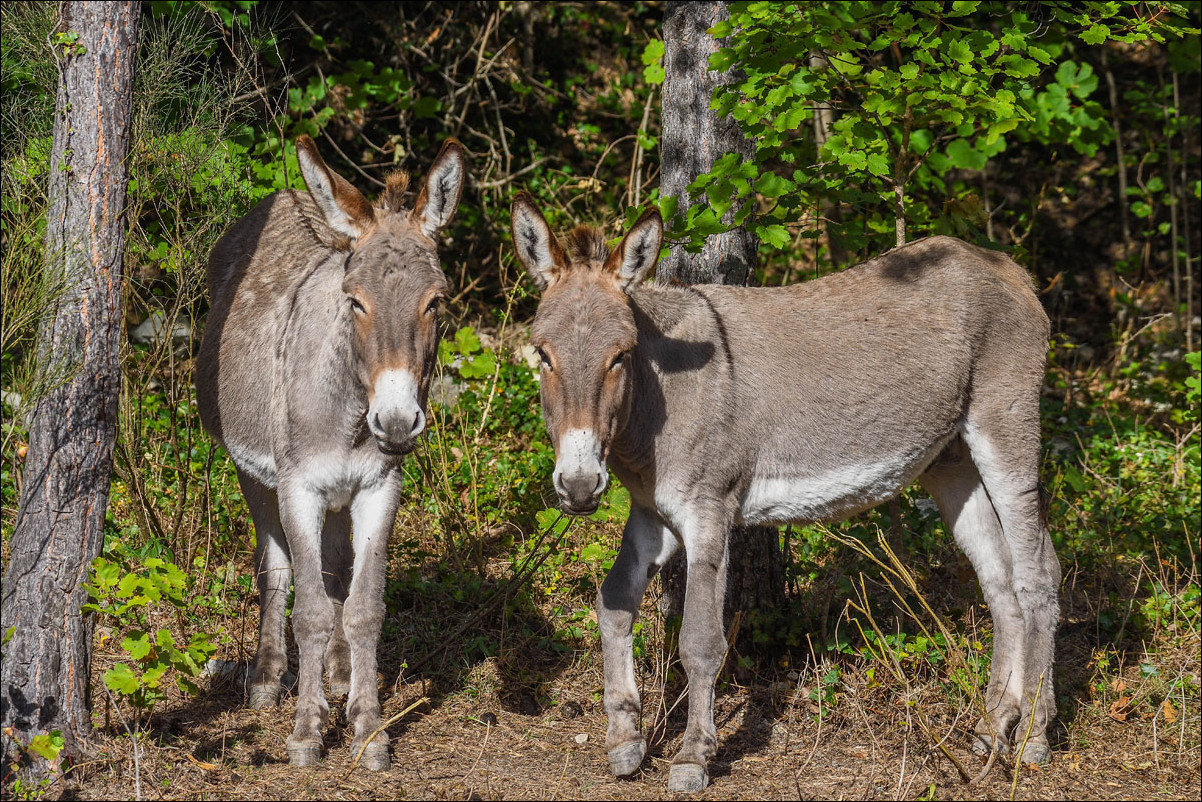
{"x": 529, "y": 724}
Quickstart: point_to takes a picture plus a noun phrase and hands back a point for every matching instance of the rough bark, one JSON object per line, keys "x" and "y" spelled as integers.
{"x": 44, "y": 680}
{"x": 692, "y": 138}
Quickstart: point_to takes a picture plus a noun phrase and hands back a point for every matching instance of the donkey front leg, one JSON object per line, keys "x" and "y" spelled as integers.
{"x": 646, "y": 547}
{"x": 336, "y": 571}
{"x": 273, "y": 575}
{"x": 373, "y": 512}
{"x": 303, "y": 513}
{"x": 702, "y": 649}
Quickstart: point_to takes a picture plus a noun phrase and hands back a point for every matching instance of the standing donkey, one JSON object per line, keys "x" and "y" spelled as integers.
{"x": 719, "y": 405}
{"x": 313, "y": 375}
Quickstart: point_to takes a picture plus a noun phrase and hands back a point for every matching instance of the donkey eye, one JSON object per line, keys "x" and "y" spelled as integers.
{"x": 358, "y": 307}
{"x": 543, "y": 356}
{"x": 432, "y": 307}
{"x": 618, "y": 360}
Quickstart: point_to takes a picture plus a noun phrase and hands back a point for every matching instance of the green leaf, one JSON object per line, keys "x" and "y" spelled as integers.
{"x": 120, "y": 679}
{"x": 47, "y": 745}
{"x": 771, "y": 185}
{"x": 775, "y": 235}
{"x": 1095, "y": 35}
{"x": 962, "y": 154}
{"x": 137, "y": 644}
{"x": 466, "y": 341}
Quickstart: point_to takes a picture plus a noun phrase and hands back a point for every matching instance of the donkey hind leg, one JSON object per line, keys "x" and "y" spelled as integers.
{"x": 1005, "y": 448}
{"x": 702, "y": 648}
{"x": 646, "y": 547}
{"x": 303, "y": 514}
{"x": 373, "y": 512}
{"x": 273, "y": 575}
{"x": 955, "y": 484}
{"x": 336, "y": 571}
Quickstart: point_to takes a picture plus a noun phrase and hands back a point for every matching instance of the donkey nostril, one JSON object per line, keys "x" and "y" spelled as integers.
{"x": 419, "y": 423}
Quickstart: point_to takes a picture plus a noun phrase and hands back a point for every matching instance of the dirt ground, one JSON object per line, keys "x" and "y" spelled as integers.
{"x": 477, "y": 738}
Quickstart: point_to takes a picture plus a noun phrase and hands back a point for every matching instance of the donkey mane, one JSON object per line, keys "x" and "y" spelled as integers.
{"x": 587, "y": 243}
{"x": 395, "y": 186}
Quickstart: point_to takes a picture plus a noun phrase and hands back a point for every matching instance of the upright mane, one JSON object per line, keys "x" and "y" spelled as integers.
{"x": 587, "y": 244}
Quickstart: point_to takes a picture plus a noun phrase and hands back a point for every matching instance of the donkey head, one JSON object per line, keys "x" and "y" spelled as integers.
{"x": 392, "y": 285}
{"x": 584, "y": 331}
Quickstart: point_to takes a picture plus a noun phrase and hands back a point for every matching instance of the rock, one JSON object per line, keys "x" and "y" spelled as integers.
{"x": 582, "y": 738}
{"x": 154, "y": 329}
{"x": 445, "y": 390}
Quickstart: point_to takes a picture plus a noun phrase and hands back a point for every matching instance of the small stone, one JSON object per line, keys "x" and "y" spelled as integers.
{"x": 582, "y": 738}
{"x": 488, "y": 720}
{"x": 571, "y": 710}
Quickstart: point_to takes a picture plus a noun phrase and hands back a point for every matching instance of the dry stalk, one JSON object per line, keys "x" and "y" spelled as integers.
{"x": 377, "y": 731}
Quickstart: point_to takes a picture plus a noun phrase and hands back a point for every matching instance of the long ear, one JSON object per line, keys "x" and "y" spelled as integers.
{"x": 638, "y": 251}
{"x": 345, "y": 209}
{"x": 538, "y": 250}
{"x": 439, "y": 198}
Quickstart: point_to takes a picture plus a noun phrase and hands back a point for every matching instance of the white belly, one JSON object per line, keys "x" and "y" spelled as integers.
{"x": 828, "y": 496}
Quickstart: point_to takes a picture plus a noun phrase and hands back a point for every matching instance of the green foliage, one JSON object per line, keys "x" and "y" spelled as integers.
{"x": 127, "y": 602}
{"x": 917, "y": 91}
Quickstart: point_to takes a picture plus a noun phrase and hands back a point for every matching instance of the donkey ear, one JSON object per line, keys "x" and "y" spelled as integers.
{"x": 439, "y": 198}
{"x": 344, "y": 207}
{"x": 538, "y": 250}
{"x": 638, "y": 251}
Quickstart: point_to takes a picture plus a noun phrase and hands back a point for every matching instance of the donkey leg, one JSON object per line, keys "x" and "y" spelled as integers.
{"x": 273, "y": 575}
{"x": 702, "y": 649}
{"x": 373, "y": 511}
{"x": 955, "y": 484}
{"x": 336, "y": 562}
{"x": 1004, "y": 442}
{"x": 646, "y": 547}
{"x": 312, "y": 620}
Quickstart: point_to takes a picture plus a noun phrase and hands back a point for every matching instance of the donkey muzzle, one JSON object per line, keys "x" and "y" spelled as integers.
{"x": 394, "y": 416}
{"x": 580, "y": 477}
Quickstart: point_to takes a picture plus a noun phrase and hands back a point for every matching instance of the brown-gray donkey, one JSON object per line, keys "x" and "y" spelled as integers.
{"x": 313, "y": 374}
{"x": 718, "y": 405}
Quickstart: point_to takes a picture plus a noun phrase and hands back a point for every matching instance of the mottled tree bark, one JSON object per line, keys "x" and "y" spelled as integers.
{"x": 692, "y": 138}
{"x": 58, "y": 532}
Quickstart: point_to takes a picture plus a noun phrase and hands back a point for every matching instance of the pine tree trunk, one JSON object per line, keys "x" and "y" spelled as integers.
{"x": 44, "y": 680}
{"x": 693, "y": 138}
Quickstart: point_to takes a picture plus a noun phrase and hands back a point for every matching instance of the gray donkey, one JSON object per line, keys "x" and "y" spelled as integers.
{"x": 719, "y": 405}
{"x": 313, "y": 374}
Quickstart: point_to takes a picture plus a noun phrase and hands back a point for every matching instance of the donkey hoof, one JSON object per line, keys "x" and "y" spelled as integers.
{"x": 1034, "y": 752}
{"x": 375, "y": 756}
{"x": 263, "y": 697}
{"x": 982, "y": 744}
{"x": 687, "y": 778}
{"x": 305, "y": 754}
{"x": 625, "y": 760}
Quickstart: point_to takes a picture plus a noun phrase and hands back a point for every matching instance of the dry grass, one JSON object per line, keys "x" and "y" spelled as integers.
{"x": 512, "y": 725}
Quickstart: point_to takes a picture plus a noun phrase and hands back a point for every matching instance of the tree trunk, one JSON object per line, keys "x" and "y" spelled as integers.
{"x": 44, "y": 681}
{"x": 693, "y": 138}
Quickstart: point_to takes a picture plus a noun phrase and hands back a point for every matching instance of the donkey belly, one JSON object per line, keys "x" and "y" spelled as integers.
{"x": 806, "y": 496}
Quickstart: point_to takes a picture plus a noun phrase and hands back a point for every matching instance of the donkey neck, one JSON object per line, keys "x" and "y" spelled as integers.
{"x": 315, "y": 367}
{"x": 679, "y": 337}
